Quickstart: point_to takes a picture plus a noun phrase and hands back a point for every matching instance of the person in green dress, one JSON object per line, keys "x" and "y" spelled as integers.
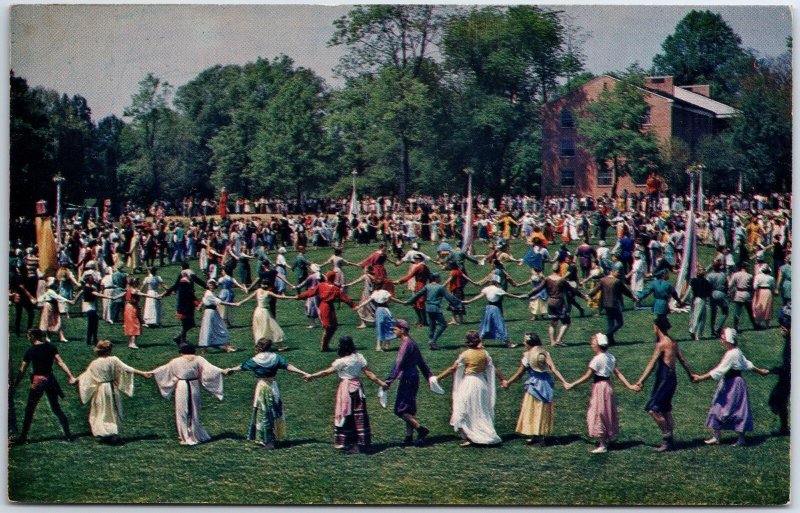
{"x": 268, "y": 424}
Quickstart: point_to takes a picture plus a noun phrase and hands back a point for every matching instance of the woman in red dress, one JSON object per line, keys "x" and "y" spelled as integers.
{"x": 328, "y": 293}
{"x": 132, "y": 324}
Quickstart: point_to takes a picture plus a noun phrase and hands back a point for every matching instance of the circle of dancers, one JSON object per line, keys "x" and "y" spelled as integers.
{"x": 649, "y": 245}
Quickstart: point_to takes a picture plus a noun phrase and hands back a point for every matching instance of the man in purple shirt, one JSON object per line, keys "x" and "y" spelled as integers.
{"x": 409, "y": 358}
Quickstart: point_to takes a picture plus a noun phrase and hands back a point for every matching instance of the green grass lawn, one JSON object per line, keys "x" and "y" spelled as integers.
{"x": 152, "y": 468}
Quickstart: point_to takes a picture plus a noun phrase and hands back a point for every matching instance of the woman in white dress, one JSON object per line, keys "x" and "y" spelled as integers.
{"x": 101, "y": 384}
{"x": 213, "y": 331}
{"x": 636, "y": 276}
{"x": 474, "y": 394}
{"x": 365, "y": 309}
{"x": 312, "y": 303}
{"x": 107, "y": 285}
{"x": 50, "y": 320}
{"x": 184, "y": 376}
{"x": 152, "y": 306}
{"x": 264, "y": 324}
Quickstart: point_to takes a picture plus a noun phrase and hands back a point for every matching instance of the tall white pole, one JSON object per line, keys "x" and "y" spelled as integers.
{"x": 58, "y": 179}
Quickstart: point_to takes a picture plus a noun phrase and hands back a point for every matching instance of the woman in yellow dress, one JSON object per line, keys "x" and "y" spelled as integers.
{"x": 506, "y": 223}
{"x": 536, "y": 415}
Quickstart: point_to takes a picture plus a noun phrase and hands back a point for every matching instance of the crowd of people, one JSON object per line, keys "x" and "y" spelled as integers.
{"x": 99, "y": 261}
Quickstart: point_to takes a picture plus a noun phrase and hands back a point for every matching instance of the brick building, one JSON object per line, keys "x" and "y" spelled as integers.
{"x": 685, "y": 112}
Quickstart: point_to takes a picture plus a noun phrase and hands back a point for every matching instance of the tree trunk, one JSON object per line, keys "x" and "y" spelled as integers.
{"x": 405, "y": 170}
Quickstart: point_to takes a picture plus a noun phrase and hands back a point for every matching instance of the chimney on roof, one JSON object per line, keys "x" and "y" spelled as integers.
{"x": 663, "y": 84}
{"x": 705, "y": 90}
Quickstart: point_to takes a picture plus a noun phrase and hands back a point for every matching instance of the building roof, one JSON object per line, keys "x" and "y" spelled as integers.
{"x": 719, "y": 109}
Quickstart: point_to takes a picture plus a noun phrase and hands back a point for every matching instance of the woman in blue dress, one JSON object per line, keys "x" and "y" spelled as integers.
{"x": 493, "y": 325}
{"x": 384, "y": 322}
{"x": 268, "y": 424}
{"x": 225, "y": 286}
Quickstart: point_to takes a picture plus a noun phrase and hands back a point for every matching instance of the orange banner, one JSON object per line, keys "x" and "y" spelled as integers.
{"x": 48, "y": 263}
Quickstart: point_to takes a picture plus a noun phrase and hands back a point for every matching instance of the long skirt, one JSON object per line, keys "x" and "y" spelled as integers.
{"x": 224, "y": 310}
{"x": 265, "y": 326}
{"x": 730, "y": 408}
{"x": 367, "y": 312}
{"x": 601, "y": 418}
{"x": 697, "y": 320}
{"x": 187, "y": 412}
{"x": 384, "y": 322}
{"x": 50, "y": 319}
{"x": 105, "y": 413}
{"x": 538, "y": 306}
{"x": 535, "y": 417}
{"x": 106, "y": 309}
{"x": 762, "y": 305}
{"x": 63, "y": 307}
{"x": 493, "y": 326}
{"x": 312, "y": 307}
{"x": 152, "y": 310}
{"x": 355, "y": 429}
{"x": 131, "y": 324}
{"x": 472, "y": 414}
{"x": 212, "y": 329}
{"x": 269, "y": 422}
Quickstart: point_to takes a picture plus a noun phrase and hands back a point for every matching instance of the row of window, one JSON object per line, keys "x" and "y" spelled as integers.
{"x": 568, "y": 177}
{"x": 568, "y": 119}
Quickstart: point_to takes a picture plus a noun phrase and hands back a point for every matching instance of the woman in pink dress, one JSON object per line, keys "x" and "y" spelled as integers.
{"x": 601, "y": 418}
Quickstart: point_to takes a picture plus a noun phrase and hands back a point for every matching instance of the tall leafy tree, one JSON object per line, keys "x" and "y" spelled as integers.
{"x": 611, "y": 129}
{"x": 506, "y": 63}
{"x": 762, "y": 131}
{"x": 143, "y": 139}
{"x": 400, "y": 39}
{"x": 287, "y": 154}
{"x": 704, "y": 49}
{"x": 31, "y": 148}
{"x": 107, "y": 156}
{"x": 207, "y": 103}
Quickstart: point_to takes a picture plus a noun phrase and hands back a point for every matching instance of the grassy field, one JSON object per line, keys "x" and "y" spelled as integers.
{"x": 152, "y": 468}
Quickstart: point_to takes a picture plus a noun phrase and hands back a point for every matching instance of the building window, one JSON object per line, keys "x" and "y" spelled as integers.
{"x": 567, "y": 178}
{"x": 567, "y": 121}
{"x": 567, "y": 148}
{"x": 646, "y": 119}
{"x": 604, "y": 177}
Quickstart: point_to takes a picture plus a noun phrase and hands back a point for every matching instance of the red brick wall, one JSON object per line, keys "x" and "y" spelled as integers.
{"x": 583, "y": 163}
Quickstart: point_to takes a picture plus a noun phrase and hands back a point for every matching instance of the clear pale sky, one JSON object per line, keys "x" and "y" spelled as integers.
{"x": 102, "y": 51}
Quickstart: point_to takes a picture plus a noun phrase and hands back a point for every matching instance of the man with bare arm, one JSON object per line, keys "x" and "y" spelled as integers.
{"x": 660, "y": 404}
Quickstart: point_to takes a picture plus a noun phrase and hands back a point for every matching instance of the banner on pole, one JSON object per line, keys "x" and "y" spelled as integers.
{"x": 48, "y": 263}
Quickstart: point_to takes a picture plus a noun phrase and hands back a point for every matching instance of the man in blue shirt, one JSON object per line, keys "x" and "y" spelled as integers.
{"x": 662, "y": 291}
{"x": 434, "y": 293}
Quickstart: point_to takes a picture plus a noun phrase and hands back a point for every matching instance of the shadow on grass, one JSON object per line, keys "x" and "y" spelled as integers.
{"x": 429, "y": 441}
{"x": 630, "y": 444}
{"x": 228, "y": 435}
{"x": 751, "y": 441}
{"x": 550, "y": 441}
{"x": 288, "y": 444}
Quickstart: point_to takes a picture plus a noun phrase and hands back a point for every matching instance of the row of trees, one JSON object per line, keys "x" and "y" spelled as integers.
{"x": 428, "y": 91}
